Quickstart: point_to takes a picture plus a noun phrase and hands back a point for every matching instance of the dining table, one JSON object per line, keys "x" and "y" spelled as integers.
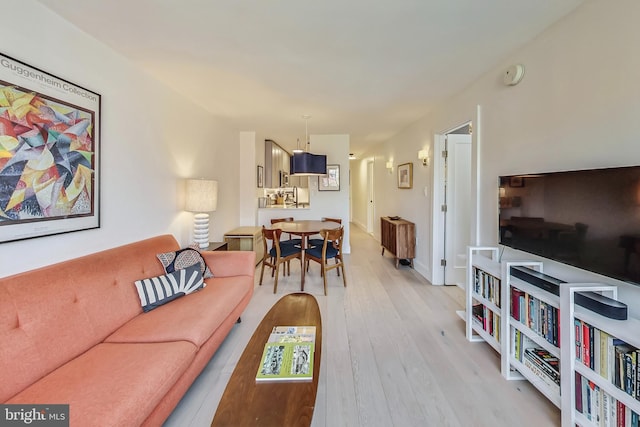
{"x": 305, "y": 228}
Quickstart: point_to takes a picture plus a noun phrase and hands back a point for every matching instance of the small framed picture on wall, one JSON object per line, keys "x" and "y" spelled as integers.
{"x": 260, "y": 177}
{"x": 405, "y": 175}
{"x": 330, "y": 181}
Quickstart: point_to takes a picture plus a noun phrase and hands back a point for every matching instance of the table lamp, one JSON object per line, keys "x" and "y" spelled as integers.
{"x": 202, "y": 198}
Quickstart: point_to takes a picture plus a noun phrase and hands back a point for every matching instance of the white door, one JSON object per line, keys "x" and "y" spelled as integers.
{"x": 458, "y": 213}
{"x": 451, "y": 208}
{"x": 370, "y": 191}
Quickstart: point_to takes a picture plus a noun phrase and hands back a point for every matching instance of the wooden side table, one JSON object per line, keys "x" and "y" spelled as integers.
{"x": 246, "y": 238}
{"x": 399, "y": 238}
{"x": 217, "y": 246}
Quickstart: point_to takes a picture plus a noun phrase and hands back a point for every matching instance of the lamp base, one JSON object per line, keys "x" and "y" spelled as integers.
{"x": 201, "y": 230}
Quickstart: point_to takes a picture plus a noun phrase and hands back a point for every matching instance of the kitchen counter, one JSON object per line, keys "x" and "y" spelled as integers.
{"x": 286, "y": 207}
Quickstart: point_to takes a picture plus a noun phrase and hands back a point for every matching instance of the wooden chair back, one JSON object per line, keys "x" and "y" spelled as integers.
{"x": 271, "y": 235}
{"x": 338, "y": 220}
{"x": 277, "y": 220}
{"x": 287, "y": 219}
{"x": 332, "y": 237}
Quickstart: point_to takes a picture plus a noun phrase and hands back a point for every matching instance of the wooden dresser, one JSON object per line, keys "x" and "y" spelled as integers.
{"x": 399, "y": 238}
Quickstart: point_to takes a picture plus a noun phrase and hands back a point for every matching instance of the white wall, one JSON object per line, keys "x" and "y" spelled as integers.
{"x": 577, "y": 107}
{"x": 248, "y": 179}
{"x": 410, "y": 204}
{"x": 152, "y": 138}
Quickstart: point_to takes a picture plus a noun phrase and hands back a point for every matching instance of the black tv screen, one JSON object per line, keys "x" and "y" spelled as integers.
{"x": 586, "y": 218}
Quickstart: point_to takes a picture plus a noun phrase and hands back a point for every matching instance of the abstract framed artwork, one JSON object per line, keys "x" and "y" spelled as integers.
{"x": 405, "y": 175}
{"x": 330, "y": 181}
{"x": 49, "y": 154}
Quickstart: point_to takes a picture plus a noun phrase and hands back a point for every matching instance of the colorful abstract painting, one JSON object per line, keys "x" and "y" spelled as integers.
{"x": 48, "y": 153}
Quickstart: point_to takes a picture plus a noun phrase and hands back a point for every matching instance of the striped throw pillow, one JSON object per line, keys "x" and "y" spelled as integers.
{"x": 156, "y": 291}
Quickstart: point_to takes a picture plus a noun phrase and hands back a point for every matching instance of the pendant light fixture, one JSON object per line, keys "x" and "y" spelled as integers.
{"x": 303, "y": 163}
{"x": 298, "y": 149}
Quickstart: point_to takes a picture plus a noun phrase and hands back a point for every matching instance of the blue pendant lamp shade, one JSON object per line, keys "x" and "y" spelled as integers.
{"x": 307, "y": 164}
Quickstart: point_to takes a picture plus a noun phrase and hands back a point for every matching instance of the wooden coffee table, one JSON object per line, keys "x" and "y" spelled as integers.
{"x": 247, "y": 403}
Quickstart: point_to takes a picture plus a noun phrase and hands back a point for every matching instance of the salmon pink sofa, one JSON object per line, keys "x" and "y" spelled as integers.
{"x": 75, "y": 333}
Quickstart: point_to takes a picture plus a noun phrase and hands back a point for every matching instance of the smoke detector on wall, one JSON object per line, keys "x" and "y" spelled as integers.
{"x": 513, "y": 75}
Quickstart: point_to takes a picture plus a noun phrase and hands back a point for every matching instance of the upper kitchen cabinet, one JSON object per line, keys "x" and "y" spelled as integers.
{"x": 276, "y": 165}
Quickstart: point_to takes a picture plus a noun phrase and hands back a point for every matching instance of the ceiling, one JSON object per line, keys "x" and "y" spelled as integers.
{"x": 368, "y": 68}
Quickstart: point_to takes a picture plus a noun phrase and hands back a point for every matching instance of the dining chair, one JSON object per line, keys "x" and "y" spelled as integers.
{"x": 318, "y": 242}
{"x": 289, "y": 240}
{"x": 277, "y": 254}
{"x": 331, "y": 248}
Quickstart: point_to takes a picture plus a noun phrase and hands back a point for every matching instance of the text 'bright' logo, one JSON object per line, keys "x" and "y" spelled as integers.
{"x": 35, "y": 415}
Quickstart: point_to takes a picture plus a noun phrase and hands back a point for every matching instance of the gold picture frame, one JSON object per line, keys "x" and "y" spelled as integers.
{"x": 405, "y": 175}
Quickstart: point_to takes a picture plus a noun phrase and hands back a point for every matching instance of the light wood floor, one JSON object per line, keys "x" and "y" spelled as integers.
{"x": 394, "y": 354}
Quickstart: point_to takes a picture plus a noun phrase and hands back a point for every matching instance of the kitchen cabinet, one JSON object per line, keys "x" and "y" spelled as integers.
{"x": 276, "y": 164}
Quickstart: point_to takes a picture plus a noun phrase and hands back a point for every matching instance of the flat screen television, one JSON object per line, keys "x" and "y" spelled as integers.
{"x": 586, "y": 218}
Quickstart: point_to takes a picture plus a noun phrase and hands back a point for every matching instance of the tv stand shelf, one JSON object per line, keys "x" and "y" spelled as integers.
{"x": 583, "y": 368}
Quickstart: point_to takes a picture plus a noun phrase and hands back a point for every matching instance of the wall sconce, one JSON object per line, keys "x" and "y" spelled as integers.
{"x": 202, "y": 198}
{"x": 389, "y": 166}
{"x": 424, "y": 156}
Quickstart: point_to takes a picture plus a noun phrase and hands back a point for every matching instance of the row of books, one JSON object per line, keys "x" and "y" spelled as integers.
{"x": 539, "y": 361}
{"x": 608, "y": 356}
{"x": 600, "y": 407}
{"x": 487, "y": 285}
{"x": 537, "y": 315}
{"x": 288, "y": 354}
{"x": 489, "y": 320}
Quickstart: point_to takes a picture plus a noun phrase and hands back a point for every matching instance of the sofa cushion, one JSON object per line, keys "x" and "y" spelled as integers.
{"x": 113, "y": 384}
{"x": 193, "y": 318}
{"x": 183, "y": 258}
{"x": 159, "y": 290}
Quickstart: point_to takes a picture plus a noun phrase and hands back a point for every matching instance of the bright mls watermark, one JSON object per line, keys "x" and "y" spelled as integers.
{"x": 34, "y": 415}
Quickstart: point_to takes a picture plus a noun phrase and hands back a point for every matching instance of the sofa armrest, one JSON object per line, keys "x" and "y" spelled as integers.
{"x": 230, "y": 263}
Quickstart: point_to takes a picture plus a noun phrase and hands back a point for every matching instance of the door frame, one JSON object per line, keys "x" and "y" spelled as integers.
{"x": 437, "y": 189}
{"x": 371, "y": 209}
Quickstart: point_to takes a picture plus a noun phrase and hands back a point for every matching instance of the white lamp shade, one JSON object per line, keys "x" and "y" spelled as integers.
{"x": 202, "y": 195}
{"x": 423, "y": 154}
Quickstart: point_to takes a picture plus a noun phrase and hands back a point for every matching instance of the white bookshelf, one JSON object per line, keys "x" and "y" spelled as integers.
{"x": 486, "y": 259}
{"x": 483, "y": 259}
{"x": 626, "y": 330}
{"x": 511, "y": 367}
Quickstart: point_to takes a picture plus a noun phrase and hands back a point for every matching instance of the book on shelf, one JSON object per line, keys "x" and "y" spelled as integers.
{"x": 548, "y": 364}
{"x": 537, "y": 371}
{"x": 537, "y": 315}
{"x": 487, "y": 285}
{"x": 288, "y": 354}
{"x": 516, "y": 296}
{"x": 487, "y": 319}
{"x": 608, "y": 356}
{"x": 600, "y": 407}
